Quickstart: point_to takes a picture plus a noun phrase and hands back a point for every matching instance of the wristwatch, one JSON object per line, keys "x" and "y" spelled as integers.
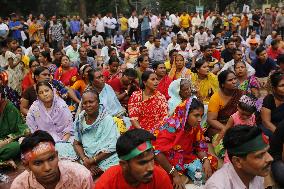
{"x": 204, "y": 158}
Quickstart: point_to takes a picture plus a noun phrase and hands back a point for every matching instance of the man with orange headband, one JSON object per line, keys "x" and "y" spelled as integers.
{"x": 250, "y": 162}
{"x": 45, "y": 171}
{"x": 136, "y": 169}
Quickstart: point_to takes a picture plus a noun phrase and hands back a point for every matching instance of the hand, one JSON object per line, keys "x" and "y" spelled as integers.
{"x": 66, "y": 137}
{"x": 207, "y": 168}
{"x": 87, "y": 162}
{"x": 178, "y": 181}
{"x": 95, "y": 170}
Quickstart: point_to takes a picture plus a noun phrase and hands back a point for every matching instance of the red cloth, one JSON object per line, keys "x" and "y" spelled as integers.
{"x": 216, "y": 54}
{"x": 68, "y": 77}
{"x": 113, "y": 179}
{"x": 273, "y": 54}
{"x": 116, "y": 85}
{"x": 108, "y": 77}
{"x": 149, "y": 113}
{"x": 164, "y": 86}
{"x": 27, "y": 81}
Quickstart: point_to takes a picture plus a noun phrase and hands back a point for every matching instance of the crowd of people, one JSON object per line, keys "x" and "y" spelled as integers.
{"x": 147, "y": 101}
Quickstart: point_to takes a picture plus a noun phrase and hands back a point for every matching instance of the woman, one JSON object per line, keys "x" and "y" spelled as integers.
{"x": 113, "y": 71}
{"x": 29, "y": 78}
{"x": 142, "y": 66}
{"x": 50, "y": 113}
{"x": 180, "y": 145}
{"x": 95, "y": 135}
{"x": 246, "y": 84}
{"x": 272, "y": 110}
{"x": 65, "y": 73}
{"x": 147, "y": 107}
{"x": 34, "y": 33}
{"x": 178, "y": 69}
{"x": 81, "y": 84}
{"x": 12, "y": 127}
{"x": 223, "y": 103}
{"x": 163, "y": 78}
{"x": 179, "y": 91}
{"x": 45, "y": 61}
{"x": 204, "y": 82}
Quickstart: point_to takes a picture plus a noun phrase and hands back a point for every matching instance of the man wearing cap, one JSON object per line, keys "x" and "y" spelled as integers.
{"x": 250, "y": 51}
{"x": 250, "y": 162}
{"x": 43, "y": 168}
{"x": 136, "y": 169}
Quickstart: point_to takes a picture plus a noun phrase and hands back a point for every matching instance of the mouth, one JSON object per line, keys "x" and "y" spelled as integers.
{"x": 148, "y": 176}
{"x": 49, "y": 176}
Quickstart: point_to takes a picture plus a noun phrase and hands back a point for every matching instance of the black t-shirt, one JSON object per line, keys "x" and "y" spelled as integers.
{"x": 277, "y": 113}
{"x": 276, "y": 142}
{"x": 30, "y": 95}
{"x": 255, "y": 19}
{"x": 263, "y": 69}
{"x": 227, "y": 55}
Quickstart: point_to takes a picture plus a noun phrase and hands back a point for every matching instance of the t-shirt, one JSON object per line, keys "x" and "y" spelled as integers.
{"x": 276, "y": 112}
{"x": 16, "y": 34}
{"x": 227, "y": 55}
{"x": 276, "y": 142}
{"x": 263, "y": 70}
{"x": 255, "y": 19}
{"x": 113, "y": 179}
{"x": 123, "y": 24}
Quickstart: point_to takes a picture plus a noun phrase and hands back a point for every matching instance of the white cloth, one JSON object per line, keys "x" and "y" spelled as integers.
{"x": 201, "y": 39}
{"x": 133, "y": 22}
{"x": 230, "y": 65}
{"x": 100, "y": 25}
{"x": 209, "y": 22}
{"x": 174, "y": 19}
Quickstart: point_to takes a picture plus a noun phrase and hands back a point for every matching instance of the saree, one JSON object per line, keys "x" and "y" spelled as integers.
{"x": 67, "y": 77}
{"x": 27, "y": 81}
{"x": 184, "y": 73}
{"x": 13, "y": 127}
{"x": 149, "y": 113}
{"x": 163, "y": 86}
{"x": 101, "y": 136}
{"x": 180, "y": 144}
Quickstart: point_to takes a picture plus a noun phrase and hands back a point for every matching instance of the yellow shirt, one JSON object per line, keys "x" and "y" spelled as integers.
{"x": 79, "y": 85}
{"x": 184, "y": 21}
{"x": 235, "y": 20}
{"x": 123, "y": 23}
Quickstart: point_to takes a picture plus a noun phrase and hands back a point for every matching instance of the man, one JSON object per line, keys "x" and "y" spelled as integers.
{"x": 72, "y": 52}
{"x": 184, "y": 21}
{"x": 150, "y": 43}
{"x": 165, "y": 40}
{"x": 125, "y": 45}
{"x": 173, "y": 44}
{"x": 105, "y": 50}
{"x": 262, "y": 64}
{"x": 123, "y": 21}
{"x": 237, "y": 57}
{"x": 201, "y": 37}
{"x": 100, "y": 28}
{"x": 247, "y": 150}
{"x": 157, "y": 53}
{"x": 74, "y": 26}
{"x": 131, "y": 55}
{"x": 145, "y": 26}
{"x": 136, "y": 168}
{"x": 209, "y": 21}
{"x": 280, "y": 23}
{"x": 4, "y": 30}
{"x": 250, "y": 51}
{"x": 256, "y": 21}
{"x": 133, "y": 26}
{"x": 267, "y": 23}
{"x": 227, "y": 53}
{"x": 84, "y": 59}
{"x": 15, "y": 27}
{"x": 273, "y": 51}
{"x": 111, "y": 24}
{"x": 56, "y": 34}
{"x": 214, "y": 64}
{"x": 125, "y": 86}
{"x": 97, "y": 41}
{"x": 44, "y": 170}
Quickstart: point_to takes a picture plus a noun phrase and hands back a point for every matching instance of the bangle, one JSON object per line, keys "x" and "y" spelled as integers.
{"x": 204, "y": 158}
{"x": 126, "y": 92}
{"x": 172, "y": 170}
{"x": 95, "y": 159}
{"x": 84, "y": 158}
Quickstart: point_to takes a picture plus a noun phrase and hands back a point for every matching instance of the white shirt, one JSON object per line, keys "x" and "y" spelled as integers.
{"x": 100, "y": 25}
{"x": 196, "y": 21}
{"x": 174, "y": 19}
{"x": 201, "y": 39}
{"x": 4, "y": 26}
{"x": 96, "y": 40}
{"x": 231, "y": 63}
{"x": 149, "y": 45}
{"x": 111, "y": 23}
{"x": 133, "y": 22}
{"x": 168, "y": 23}
{"x": 171, "y": 46}
{"x": 209, "y": 22}
{"x": 154, "y": 21}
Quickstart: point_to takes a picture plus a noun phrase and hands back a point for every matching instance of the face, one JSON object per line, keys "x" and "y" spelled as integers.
{"x": 231, "y": 45}
{"x": 13, "y": 45}
{"x": 36, "y": 52}
{"x": 256, "y": 163}
{"x": 179, "y": 62}
{"x": 86, "y": 71}
{"x": 99, "y": 81}
{"x": 152, "y": 82}
{"x": 194, "y": 117}
{"x": 18, "y": 51}
{"x": 108, "y": 42}
{"x": 140, "y": 168}
{"x": 185, "y": 90}
{"x": 145, "y": 52}
{"x": 240, "y": 69}
{"x": 262, "y": 56}
{"x": 65, "y": 63}
{"x": 45, "y": 94}
{"x": 208, "y": 52}
{"x": 41, "y": 58}
{"x": 74, "y": 44}
{"x": 128, "y": 40}
{"x": 157, "y": 43}
{"x": 58, "y": 55}
{"x": 44, "y": 76}
{"x": 34, "y": 65}
{"x": 231, "y": 82}
{"x": 237, "y": 56}
{"x": 126, "y": 80}
{"x": 114, "y": 67}
{"x": 280, "y": 88}
{"x": 161, "y": 70}
{"x": 83, "y": 52}
{"x": 45, "y": 167}
{"x": 145, "y": 63}
{"x": 90, "y": 103}
{"x": 204, "y": 69}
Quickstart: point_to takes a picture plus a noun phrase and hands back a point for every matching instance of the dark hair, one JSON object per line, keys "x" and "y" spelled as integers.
{"x": 238, "y": 135}
{"x": 91, "y": 74}
{"x": 56, "y": 50}
{"x": 38, "y": 71}
{"x": 140, "y": 59}
{"x": 195, "y": 104}
{"x": 34, "y": 139}
{"x": 172, "y": 51}
{"x": 198, "y": 65}
{"x": 131, "y": 139}
{"x": 46, "y": 55}
{"x": 201, "y": 27}
{"x": 36, "y": 47}
{"x": 275, "y": 78}
{"x": 246, "y": 107}
{"x": 110, "y": 50}
{"x": 226, "y": 42}
{"x": 240, "y": 62}
{"x": 274, "y": 42}
{"x": 259, "y": 50}
{"x": 156, "y": 64}
{"x": 222, "y": 77}
{"x": 130, "y": 72}
{"x": 113, "y": 59}
{"x": 31, "y": 62}
{"x": 43, "y": 83}
{"x": 280, "y": 59}
{"x": 145, "y": 76}
{"x": 32, "y": 41}
{"x": 236, "y": 50}
{"x": 142, "y": 48}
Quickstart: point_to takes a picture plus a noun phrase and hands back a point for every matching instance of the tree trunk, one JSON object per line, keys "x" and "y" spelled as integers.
{"x": 83, "y": 9}
{"x": 130, "y": 5}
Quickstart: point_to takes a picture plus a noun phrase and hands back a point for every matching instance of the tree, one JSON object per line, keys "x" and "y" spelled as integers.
{"x": 82, "y": 9}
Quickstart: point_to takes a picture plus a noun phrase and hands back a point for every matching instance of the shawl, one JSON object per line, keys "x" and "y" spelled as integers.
{"x": 163, "y": 86}
{"x": 57, "y": 122}
{"x": 175, "y": 99}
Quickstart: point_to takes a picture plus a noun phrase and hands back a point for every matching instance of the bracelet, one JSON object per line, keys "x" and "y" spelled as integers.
{"x": 172, "y": 170}
{"x": 204, "y": 158}
{"x": 84, "y": 158}
{"x": 126, "y": 92}
{"x": 95, "y": 159}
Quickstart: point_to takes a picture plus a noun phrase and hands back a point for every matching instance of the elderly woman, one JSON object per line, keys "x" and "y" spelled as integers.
{"x": 12, "y": 127}
{"x": 223, "y": 103}
{"x": 95, "y": 135}
{"x": 178, "y": 69}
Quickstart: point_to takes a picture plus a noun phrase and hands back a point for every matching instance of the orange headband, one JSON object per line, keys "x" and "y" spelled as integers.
{"x": 37, "y": 150}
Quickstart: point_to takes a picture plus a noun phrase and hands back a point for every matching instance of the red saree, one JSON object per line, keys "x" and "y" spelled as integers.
{"x": 66, "y": 77}
{"x": 163, "y": 86}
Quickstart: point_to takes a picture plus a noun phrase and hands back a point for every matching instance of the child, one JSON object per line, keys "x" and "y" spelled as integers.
{"x": 244, "y": 116}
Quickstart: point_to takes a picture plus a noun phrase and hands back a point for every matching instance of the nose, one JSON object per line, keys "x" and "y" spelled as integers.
{"x": 46, "y": 167}
{"x": 269, "y": 158}
{"x": 150, "y": 166}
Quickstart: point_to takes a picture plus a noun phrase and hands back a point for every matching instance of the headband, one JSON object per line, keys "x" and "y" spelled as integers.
{"x": 37, "y": 150}
{"x": 253, "y": 145}
{"x": 137, "y": 151}
{"x": 248, "y": 100}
